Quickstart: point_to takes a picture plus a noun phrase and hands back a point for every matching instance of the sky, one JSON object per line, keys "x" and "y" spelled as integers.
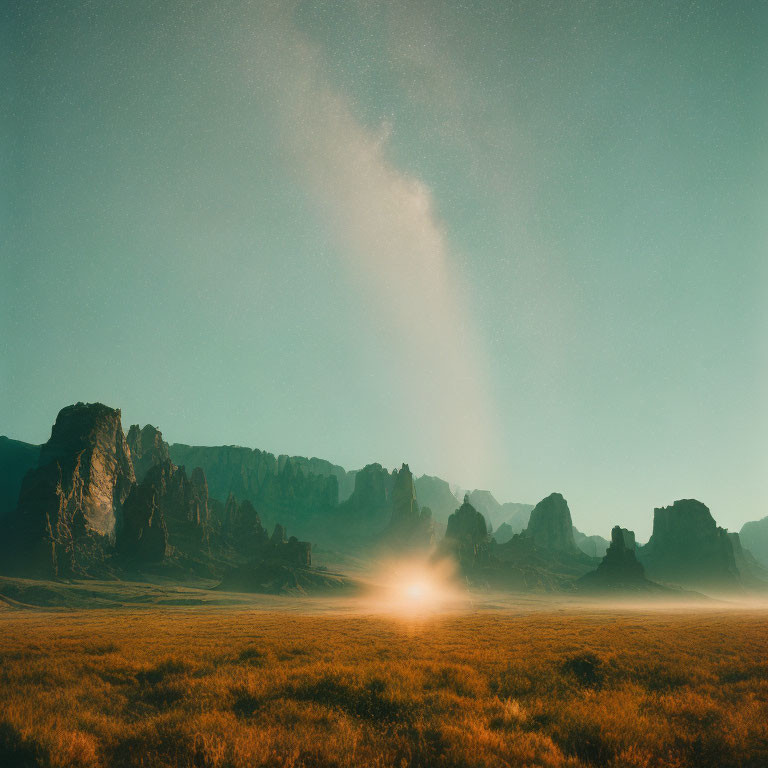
{"x": 522, "y": 246}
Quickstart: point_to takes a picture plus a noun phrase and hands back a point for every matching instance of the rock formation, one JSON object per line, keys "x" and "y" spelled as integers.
{"x": 365, "y": 515}
{"x": 335, "y": 508}
{"x": 296, "y": 498}
{"x": 542, "y": 557}
{"x": 143, "y": 535}
{"x": 167, "y": 509}
{"x": 345, "y": 481}
{"x": 241, "y": 527}
{"x": 69, "y": 504}
{"x": 550, "y": 525}
{"x": 466, "y": 536}
{"x": 688, "y": 548}
{"x": 147, "y": 449}
{"x": 81, "y": 512}
{"x": 620, "y": 568}
{"x": 288, "y": 550}
{"x": 405, "y": 509}
{"x": 240, "y": 530}
{"x": 517, "y": 564}
{"x": 373, "y": 490}
{"x": 409, "y": 527}
{"x": 280, "y": 564}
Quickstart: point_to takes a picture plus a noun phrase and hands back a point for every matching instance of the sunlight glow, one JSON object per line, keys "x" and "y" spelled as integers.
{"x": 417, "y": 591}
{"x": 416, "y": 587}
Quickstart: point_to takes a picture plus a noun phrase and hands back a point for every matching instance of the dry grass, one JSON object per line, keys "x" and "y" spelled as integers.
{"x": 223, "y": 687}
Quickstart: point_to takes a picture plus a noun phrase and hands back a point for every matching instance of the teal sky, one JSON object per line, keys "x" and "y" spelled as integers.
{"x": 522, "y": 246}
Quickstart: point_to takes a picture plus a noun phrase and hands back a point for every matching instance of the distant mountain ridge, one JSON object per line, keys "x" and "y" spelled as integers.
{"x": 620, "y": 570}
{"x": 497, "y": 513}
{"x": 94, "y": 502}
{"x": 245, "y": 472}
{"x": 282, "y": 487}
{"x": 233, "y": 468}
{"x": 754, "y": 536}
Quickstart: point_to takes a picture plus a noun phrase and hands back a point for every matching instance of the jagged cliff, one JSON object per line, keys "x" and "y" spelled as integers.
{"x": 283, "y": 488}
{"x": 240, "y": 526}
{"x": 95, "y": 502}
{"x": 69, "y": 504}
{"x": 466, "y": 537}
{"x": 167, "y": 510}
{"x": 81, "y": 511}
{"x": 147, "y": 448}
{"x": 620, "y": 569}
{"x": 752, "y": 573}
{"x": 365, "y": 515}
{"x": 409, "y": 527}
{"x": 243, "y": 471}
{"x": 517, "y": 565}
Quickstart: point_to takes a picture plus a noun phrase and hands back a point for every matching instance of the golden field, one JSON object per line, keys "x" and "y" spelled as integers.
{"x": 241, "y": 687}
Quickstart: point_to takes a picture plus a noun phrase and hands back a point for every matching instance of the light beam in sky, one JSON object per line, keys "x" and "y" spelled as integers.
{"x": 394, "y": 250}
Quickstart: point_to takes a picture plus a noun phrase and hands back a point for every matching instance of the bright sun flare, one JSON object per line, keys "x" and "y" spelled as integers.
{"x": 416, "y": 588}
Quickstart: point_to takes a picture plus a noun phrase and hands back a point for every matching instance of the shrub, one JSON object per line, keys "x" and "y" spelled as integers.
{"x": 586, "y": 668}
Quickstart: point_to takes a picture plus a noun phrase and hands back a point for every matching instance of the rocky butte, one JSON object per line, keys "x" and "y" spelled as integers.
{"x": 409, "y": 526}
{"x": 69, "y": 504}
{"x": 542, "y": 557}
{"x": 687, "y": 547}
{"x": 620, "y": 569}
{"x": 550, "y": 526}
{"x": 466, "y": 536}
{"x": 147, "y": 449}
